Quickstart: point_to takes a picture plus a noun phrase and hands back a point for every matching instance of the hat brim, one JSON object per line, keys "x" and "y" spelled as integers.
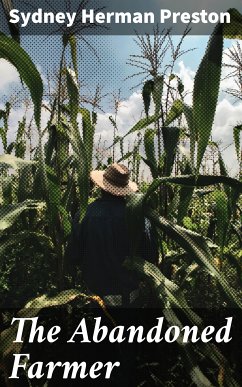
{"x": 98, "y": 178}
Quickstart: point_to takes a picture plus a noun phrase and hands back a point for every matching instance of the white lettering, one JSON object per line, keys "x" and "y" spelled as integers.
{"x": 14, "y": 16}
{"x": 157, "y": 331}
{"x": 164, "y": 15}
{"x": 175, "y": 16}
{"x": 116, "y": 335}
{"x": 207, "y": 331}
{"x": 225, "y": 17}
{"x": 25, "y": 19}
{"x": 226, "y": 339}
{"x": 37, "y": 16}
{"x": 16, "y": 364}
{"x": 71, "y": 18}
{"x": 100, "y": 17}
{"x": 98, "y": 329}
{"x": 187, "y": 331}
{"x": 195, "y": 17}
{"x": 172, "y": 334}
{"x": 110, "y": 367}
{"x": 87, "y": 17}
{"x": 83, "y": 332}
{"x": 60, "y": 17}
{"x": 133, "y": 330}
{"x": 185, "y": 17}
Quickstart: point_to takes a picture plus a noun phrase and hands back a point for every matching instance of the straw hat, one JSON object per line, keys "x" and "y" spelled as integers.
{"x": 115, "y": 180}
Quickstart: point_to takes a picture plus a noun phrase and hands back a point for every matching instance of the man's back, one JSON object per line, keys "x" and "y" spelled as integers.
{"x": 100, "y": 244}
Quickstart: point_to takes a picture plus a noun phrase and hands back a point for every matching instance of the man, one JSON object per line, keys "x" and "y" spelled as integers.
{"x": 100, "y": 243}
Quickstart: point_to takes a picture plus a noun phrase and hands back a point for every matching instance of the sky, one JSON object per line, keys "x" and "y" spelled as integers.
{"x": 109, "y": 70}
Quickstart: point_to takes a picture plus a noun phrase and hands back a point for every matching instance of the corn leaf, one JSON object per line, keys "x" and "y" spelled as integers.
{"x": 206, "y": 89}
{"x": 143, "y": 123}
{"x": 15, "y": 239}
{"x": 149, "y": 145}
{"x": 157, "y": 93}
{"x": 188, "y": 112}
{"x": 10, "y": 213}
{"x": 31, "y": 309}
{"x": 222, "y": 215}
{"x": 192, "y": 181}
{"x": 12, "y": 52}
{"x": 88, "y": 135}
{"x": 233, "y": 29}
{"x": 175, "y": 112}
{"x": 80, "y": 163}
{"x": 197, "y": 247}
{"x": 81, "y": 159}
{"x": 73, "y": 92}
{"x": 170, "y": 296}
{"x": 170, "y": 140}
{"x": 135, "y": 219}
{"x": 146, "y": 94}
{"x": 11, "y": 161}
{"x": 14, "y": 28}
{"x": 237, "y": 131}
{"x": 185, "y": 195}
{"x": 73, "y": 46}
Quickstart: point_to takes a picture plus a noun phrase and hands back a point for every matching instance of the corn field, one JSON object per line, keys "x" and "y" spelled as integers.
{"x": 197, "y": 216}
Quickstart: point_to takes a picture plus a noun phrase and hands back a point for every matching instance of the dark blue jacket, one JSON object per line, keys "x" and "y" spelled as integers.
{"x": 100, "y": 244}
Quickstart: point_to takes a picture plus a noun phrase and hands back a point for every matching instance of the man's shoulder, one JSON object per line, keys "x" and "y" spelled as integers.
{"x": 97, "y": 203}
{"x": 103, "y": 208}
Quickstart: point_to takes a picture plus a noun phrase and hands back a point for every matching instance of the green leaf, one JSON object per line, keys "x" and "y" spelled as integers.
{"x": 171, "y": 299}
{"x": 206, "y": 89}
{"x": 135, "y": 220}
{"x": 170, "y": 140}
{"x": 157, "y": 93}
{"x": 81, "y": 158}
{"x": 73, "y": 92}
{"x": 14, "y": 28}
{"x": 167, "y": 290}
{"x": 222, "y": 215}
{"x": 233, "y": 29}
{"x": 185, "y": 197}
{"x": 185, "y": 194}
{"x": 175, "y": 112}
{"x": 197, "y": 247}
{"x": 222, "y": 167}
{"x": 143, "y": 123}
{"x": 80, "y": 162}
{"x": 146, "y": 93}
{"x": 65, "y": 220}
{"x": 25, "y": 183}
{"x": 180, "y": 87}
{"x": 54, "y": 197}
{"x": 149, "y": 138}
{"x": 223, "y": 172}
{"x": 10, "y": 213}
{"x": 31, "y": 309}
{"x": 3, "y": 136}
{"x": 125, "y": 157}
{"x": 188, "y": 112}
{"x": 14, "y": 162}
{"x": 15, "y": 239}
{"x": 237, "y": 131}
{"x": 51, "y": 144}
{"x": 20, "y": 144}
{"x": 73, "y": 45}
{"x": 88, "y": 135}
{"x": 12, "y": 52}
{"x": 192, "y": 181}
